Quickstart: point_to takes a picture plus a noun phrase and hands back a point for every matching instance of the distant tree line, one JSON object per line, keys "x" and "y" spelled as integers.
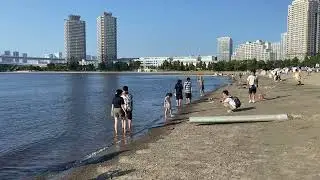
{"x": 74, "y": 66}
{"x": 234, "y": 65}
{"x": 237, "y": 65}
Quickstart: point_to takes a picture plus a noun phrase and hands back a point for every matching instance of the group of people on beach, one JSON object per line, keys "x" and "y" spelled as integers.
{"x": 181, "y": 90}
{"x": 122, "y": 103}
{"x": 121, "y": 109}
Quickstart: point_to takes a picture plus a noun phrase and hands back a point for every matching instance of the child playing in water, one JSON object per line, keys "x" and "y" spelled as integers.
{"x": 167, "y": 105}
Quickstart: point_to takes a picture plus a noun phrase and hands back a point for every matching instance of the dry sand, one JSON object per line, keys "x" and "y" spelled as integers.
{"x": 272, "y": 150}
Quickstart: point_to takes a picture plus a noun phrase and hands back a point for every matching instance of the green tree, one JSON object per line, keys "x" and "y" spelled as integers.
{"x": 102, "y": 66}
{"x": 295, "y": 62}
{"x": 73, "y": 64}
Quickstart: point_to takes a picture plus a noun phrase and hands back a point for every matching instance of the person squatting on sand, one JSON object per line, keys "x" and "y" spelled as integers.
{"x": 118, "y": 110}
{"x": 231, "y": 103}
{"x": 167, "y": 105}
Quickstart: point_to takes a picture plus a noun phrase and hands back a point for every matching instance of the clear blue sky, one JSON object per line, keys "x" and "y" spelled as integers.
{"x": 145, "y": 27}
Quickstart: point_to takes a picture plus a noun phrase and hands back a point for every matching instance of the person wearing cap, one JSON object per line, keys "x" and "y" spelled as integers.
{"x": 118, "y": 110}
{"x": 128, "y": 102}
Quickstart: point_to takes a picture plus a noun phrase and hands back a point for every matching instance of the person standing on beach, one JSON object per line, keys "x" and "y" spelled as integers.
{"x": 118, "y": 110}
{"x": 167, "y": 105}
{"x": 128, "y": 102}
{"x": 188, "y": 90}
{"x": 179, "y": 96}
{"x": 252, "y": 82}
{"x": 201, "y": 85}
{"x": 297, "y": 76}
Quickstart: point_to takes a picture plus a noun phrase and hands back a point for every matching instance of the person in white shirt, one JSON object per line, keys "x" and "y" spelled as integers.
{"x": 228, "y": 102}
{"x": 252, "y": 82}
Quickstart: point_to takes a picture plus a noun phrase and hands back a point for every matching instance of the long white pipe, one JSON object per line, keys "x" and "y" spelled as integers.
{"x": 234, "y": 119}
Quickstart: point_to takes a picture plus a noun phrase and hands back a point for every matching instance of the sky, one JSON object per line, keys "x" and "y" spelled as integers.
{"x": 145, "y": 27}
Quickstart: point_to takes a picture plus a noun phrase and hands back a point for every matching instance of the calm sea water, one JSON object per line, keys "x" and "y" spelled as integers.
{"x": 51, "y": 122}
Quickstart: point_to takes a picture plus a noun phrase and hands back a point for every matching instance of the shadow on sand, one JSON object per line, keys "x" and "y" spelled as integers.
{"x": 277, "y": 97}
{"x": 113, "y": 174}
{"x": 244, "y": 109}
{"x": 225, "y": 123}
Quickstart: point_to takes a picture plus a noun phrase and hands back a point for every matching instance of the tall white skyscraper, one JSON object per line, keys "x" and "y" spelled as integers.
{"x": 303, "y": 28}
{"x": 283, "y": 44}
{"x": 276, "y": 50}
{"x": 107, "y": 37}
{"x": 75, "y": 38}
{"x": 225, "y": 48}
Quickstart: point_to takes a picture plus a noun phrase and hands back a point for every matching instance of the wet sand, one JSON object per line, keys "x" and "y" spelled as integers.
{"x": 270, "y": 150}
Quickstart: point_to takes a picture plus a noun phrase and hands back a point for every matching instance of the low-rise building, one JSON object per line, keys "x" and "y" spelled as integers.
{"x": 149, "y": 62}
{"x": 34, "y": 61}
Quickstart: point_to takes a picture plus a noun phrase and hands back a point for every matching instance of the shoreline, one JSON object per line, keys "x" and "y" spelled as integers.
{"x": 191, "y": 73}
{"x": 138, "y": 143}
{"x": 274, "y": 150}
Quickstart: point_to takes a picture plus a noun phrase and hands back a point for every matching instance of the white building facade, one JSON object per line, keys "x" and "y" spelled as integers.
{"x": 303, "y": 28}
{"x": 276, "y": 50}
{"x": 75, "y": 38}
{"x": 34, "y": 61}
{"x": 107, "y": 37}
{"x": 259, "y": 50}
{"x": 283, "y": 44}
{"x": 150, "y": 62}
{"x": 225, "y": 48}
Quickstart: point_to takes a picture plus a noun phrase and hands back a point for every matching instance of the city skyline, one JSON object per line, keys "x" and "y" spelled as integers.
{"x": 145, "y": 31}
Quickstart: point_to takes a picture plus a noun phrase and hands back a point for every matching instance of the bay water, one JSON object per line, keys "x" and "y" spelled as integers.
{"x": 49, "y": 122}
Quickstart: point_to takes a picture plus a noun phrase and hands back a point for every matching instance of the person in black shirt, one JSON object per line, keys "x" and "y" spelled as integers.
{"x": 179, "y": 96}
{"x": 118, "y": 109}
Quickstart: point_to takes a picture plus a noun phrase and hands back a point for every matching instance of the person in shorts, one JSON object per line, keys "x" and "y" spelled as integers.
{"x": 188, "y": 90}
{"x": 128, "y": 101}
{"x": 118, "y": 110}
{"x": 252, "y": 82}
{"x": 179, "y": 95}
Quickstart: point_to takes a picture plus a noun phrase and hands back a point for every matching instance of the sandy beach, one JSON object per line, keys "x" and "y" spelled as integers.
{"x": 270, "y": 150}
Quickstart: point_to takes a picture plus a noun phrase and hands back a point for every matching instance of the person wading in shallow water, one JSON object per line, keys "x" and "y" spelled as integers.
{"x": 201, "y": 85}
{"x": 167, "y": 106}
{"x": 128, "y": 102}
{"x": 118, "y": 110}
{"x": 188, "y": 90}
{"x": 179, "y": 96}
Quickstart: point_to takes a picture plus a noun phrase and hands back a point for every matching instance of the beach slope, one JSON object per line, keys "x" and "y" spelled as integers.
{"x": 269, "y": 150}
